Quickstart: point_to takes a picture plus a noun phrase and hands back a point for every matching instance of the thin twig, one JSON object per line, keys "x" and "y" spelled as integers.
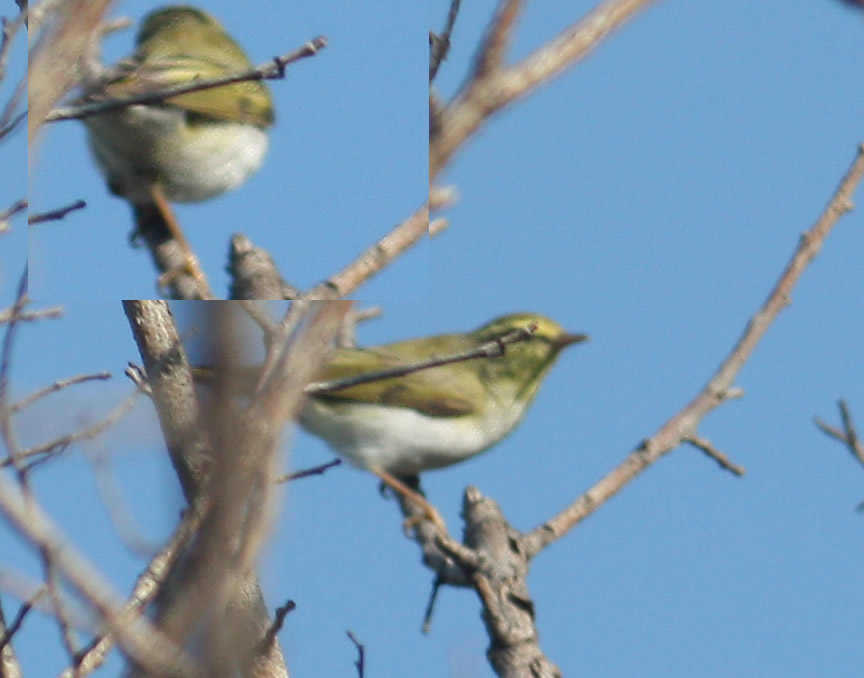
{"x": 13, "y": 626}
{"x": 494, "y": 348}
{"x": 491, "y": 85}
{"x": 848, "y": 435}
{"x": 256, "y": 311}
{"x": 375, "y": 258}
{"x": 145, "y": 590}
{"x": 271, "y": 70}
{"x": 430, "y": 606}
{"x": 54, "y": 447}
{"x": 11, "y": 211}
{"x": 683, "y": 425}
{"x": 143, "y": 641}
{"x": 439, "y": 44}
{"x": 437, "y": 226}
{"x": 490, "y": 56}
{"x": 705, "y": 445}
{"x": 305, "y": 473}
{"x": 54, "y": 215}
{"x": 10, "y": 28}
{"x": 278, "y": 621}
{"x": 347, "y": 337}
{"x": 361, "y": 655}
{"x": 9, "y": 314}
{"x": 57, "y": 386}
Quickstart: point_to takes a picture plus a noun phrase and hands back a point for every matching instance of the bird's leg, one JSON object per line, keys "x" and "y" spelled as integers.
{"x": 190, "y": 265}
{"x": 429, "y": 511}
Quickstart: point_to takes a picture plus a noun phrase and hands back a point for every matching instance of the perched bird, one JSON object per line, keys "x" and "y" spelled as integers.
{"x": 400, "y": 426}
{"x": 188, "y": 147}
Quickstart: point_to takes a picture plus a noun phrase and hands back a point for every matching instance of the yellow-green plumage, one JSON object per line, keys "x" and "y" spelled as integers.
{"x": 437, "y": 416}
{"x": 193, "y": 146}
{"x": 455, "y": 389}
{"x": 178, "y": 45}
{"x": 432, "y": 417}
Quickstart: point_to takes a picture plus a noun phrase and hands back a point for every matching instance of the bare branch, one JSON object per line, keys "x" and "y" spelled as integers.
{"x": 490, "y": 56}
{"x": 683, "y": 426}
{"x": 137, "y": 637}
{"x": 269, "y": 639}
{"x": 57, "y": 386}
{"x": 847, "y": 435}
{"x": 493, "y": 86}
{"x": 54, "y": 215}
{"x": 375, "y": 258}
{"x": 7, "y": 214}
{"x": 361, "y": 654}
{"x": 439, "y": 45}
{"x": 9, "y": 30}
{"x": 64, "y": 30}
{"x": 57, "y": 445}
{"x": 147, "y": 587}
{"x": 271, "y": 70}
{"x": 254, "y": 273}
{"x": 9, "y": 119}
{"x": 305, "y": 473}
{"x": 214, "y": 591}
{"x": 493, "y": 348}
{"x": 9, "y": 666}
{"x": 7, "y": 315}
{"x": 705, "y": 445}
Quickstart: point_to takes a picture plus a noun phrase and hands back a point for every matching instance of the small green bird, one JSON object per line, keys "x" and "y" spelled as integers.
{"x": 438, "y": 416}
{"x": 189, "y": 147}
{"x": 401, "y": 426}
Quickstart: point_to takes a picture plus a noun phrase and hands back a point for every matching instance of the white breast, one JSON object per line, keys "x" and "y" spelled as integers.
{"x": 192, "y": 162}
{"x": 403, "y": 441}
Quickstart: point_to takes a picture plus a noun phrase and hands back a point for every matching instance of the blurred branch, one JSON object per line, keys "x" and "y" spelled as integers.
{"x": 491, "y": 85}
{"x": 9, "y": 314}
{"x": 60, "y": 560}
{"x": 147, "y": 587}
{"x": 9, "y": 666}
{"x": 137, "y": 637}
{"x": 213, "y": 596}
{"x": 847, "y": 435}
{"x": 58, "y": 385}
{"x": 63, "y": 33}
{"x": 7, "y": 214}
{"x": 10, "y": 119}
{"x": 47, "y": 450}
{"x": 7, "y": 35}
{"x": 254, "y": 274}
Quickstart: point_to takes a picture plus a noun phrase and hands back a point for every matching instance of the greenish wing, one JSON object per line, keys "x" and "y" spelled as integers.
{"x": 433, "y": 392}
{"x": 247, "y": 102}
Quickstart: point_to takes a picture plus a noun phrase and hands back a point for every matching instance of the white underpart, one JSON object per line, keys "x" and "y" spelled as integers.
{"x": 130, "y": 149}
{"x": 403, "y": 441}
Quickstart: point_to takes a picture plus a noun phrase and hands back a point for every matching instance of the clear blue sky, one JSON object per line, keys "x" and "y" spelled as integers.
{"x": 649, "y": 197}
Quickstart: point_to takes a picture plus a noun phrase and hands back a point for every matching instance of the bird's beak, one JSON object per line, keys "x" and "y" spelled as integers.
{"x": 567, "y": 339}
